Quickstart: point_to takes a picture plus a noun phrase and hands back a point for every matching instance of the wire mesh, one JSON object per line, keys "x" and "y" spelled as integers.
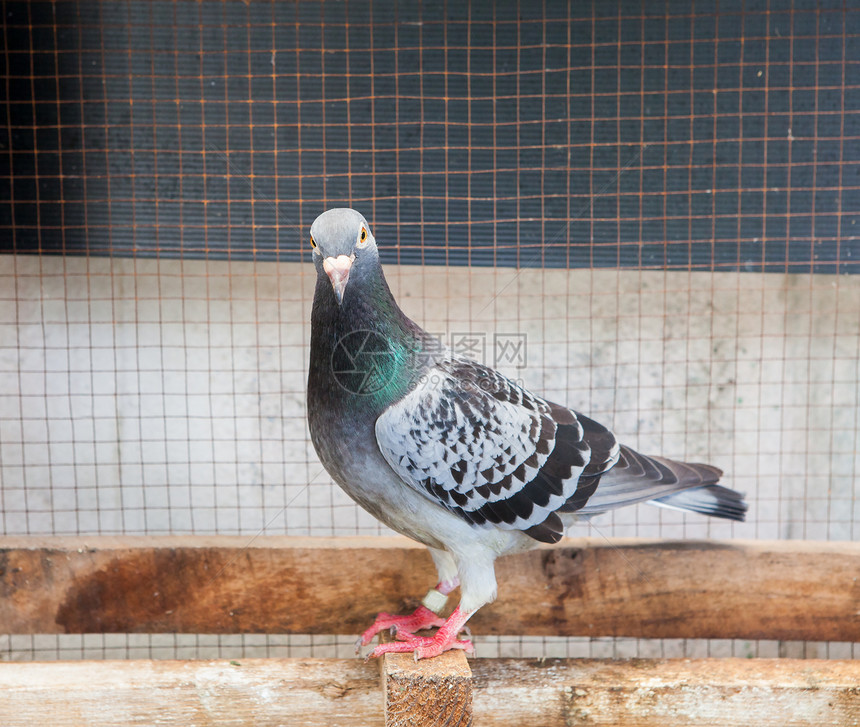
{"x": 656, "y": 200}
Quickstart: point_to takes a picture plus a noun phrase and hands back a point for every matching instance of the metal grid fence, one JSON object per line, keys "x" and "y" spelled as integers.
{"x": 659, "y": 199}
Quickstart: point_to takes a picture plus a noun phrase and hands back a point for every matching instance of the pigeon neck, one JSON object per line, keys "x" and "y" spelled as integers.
{"x": 366, "y": 346}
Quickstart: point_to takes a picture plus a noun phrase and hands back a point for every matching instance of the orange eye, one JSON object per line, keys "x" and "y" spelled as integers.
{"x": 313, "y": 242}
{"x": 363, "y": 236}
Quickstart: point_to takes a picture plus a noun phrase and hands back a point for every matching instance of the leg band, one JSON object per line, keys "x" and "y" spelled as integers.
{"x": 435, "y": 601}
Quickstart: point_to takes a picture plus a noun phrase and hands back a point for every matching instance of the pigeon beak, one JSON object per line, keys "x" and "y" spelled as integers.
{"x": 337, "y": 269}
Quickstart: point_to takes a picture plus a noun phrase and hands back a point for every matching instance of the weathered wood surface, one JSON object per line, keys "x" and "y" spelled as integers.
{"x": 259, "y": 692}
{"x": 506, "y": 693}
{"x": 428, "y": 693}
{"x": 666, "y": 693}
{"x": 738, "y": 589}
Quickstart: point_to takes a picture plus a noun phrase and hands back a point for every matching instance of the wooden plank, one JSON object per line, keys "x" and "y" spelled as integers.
{"x": 666, "y": 693}
{"x": 639, "y": 588}
{"x": 259, "y": 692}
{"x": 206, "y": 584}
{"x": 427, "y": 693}
{"x": 789, "y": 590}
{"x": 507, "y": 693}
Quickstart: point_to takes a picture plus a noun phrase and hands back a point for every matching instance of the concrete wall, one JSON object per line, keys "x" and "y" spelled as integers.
{"x": 168, "y": 396}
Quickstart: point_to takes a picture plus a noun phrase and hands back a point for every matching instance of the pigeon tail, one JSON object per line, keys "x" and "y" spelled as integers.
{"x": 713, "y": 500}
{"x": 663, "y": 482}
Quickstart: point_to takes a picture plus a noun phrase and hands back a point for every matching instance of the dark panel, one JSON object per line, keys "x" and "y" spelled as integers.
{"x": 605, "y": 134}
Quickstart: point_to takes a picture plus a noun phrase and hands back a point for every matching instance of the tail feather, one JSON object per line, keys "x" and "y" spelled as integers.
{"x": 663, "y": 482}
{"x": 713, "y": 500}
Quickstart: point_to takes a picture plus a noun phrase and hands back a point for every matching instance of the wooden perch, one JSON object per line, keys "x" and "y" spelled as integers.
{"x": 782, "y": 590}
{"x": 636, "y": 588}
{"x": 260, "y": 692}
{"x": 427, "y": 693}
{"x": 506, "y": 693}
{"x": 666, "y": 692}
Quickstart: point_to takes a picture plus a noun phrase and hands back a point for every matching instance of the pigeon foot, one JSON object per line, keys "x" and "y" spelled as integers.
{"x": 402, "y": 626}
{"x": 424, "y": 647}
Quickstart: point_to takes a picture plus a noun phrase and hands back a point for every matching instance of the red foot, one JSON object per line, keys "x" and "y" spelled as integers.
{"x": 421, "y": 618}
{"x": 423, "y": 647}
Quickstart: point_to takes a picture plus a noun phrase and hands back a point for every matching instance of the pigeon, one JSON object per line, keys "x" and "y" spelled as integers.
{"x": 450, "y": 452}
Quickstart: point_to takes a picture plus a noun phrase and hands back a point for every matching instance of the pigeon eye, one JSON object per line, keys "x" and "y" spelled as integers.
{"x": 313, "y": 243}
{"x": 362, "y": 238}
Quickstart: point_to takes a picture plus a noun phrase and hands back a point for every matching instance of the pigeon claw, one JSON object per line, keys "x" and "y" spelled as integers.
{"x": 400, "y": 626}
{"x": 423, "y": 647}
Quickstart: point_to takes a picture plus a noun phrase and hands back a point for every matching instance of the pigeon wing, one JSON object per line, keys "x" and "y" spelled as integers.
{"x": 483, "y": 447}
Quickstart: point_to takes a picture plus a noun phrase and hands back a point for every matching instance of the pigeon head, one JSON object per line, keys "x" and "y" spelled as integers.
{"x": 343, "y": 246}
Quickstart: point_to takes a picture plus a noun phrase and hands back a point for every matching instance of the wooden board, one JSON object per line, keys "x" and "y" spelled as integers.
{"x": 638, "y": 588}
{"x": 506, "y": 693}
{"x": 666, "y": 693}
{"x": 259, "y": 692}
